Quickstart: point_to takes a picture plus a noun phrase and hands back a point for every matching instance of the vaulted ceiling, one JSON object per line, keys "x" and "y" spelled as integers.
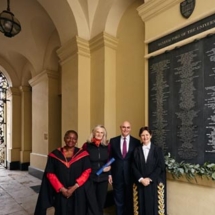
{"x": 48, "y": 24}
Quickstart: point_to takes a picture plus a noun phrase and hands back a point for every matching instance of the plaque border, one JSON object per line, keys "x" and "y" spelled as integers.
{"x": 183, "y": 33}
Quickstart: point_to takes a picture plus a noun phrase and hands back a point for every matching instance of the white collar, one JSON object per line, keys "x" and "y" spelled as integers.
{"x": 122, "y": 137}
{"x": 148, "y": 146}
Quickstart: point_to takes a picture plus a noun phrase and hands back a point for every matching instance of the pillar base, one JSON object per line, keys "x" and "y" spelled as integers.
{"x": 35, "y": 172}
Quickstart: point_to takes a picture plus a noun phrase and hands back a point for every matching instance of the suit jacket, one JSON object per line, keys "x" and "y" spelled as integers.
{"x": 121, "y": 168}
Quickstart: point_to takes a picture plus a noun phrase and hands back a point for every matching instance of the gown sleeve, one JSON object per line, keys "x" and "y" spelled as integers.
{"x": 135, "y": 164}
{"x": 160, "y": 165}
{"x": 84, "y": 176}
{"x": 56, "y": 184}
{"x": 46, "y": 195}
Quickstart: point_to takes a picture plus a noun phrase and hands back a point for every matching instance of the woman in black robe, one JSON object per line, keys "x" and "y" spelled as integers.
{"x": 149, "y": 191}
{"x": 98, "y": 149}
{"x": 65, "y": 184}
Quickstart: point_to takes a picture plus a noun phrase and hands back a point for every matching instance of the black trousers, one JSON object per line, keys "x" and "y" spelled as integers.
{"x": 123, "y": 197}
{"x": 101, "y": 193}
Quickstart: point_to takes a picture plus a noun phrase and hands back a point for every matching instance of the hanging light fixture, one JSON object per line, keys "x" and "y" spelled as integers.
{"x": 9, "y": 25}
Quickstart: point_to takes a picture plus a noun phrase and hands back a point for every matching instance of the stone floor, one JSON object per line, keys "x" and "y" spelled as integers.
{"x": 16, "y": 195}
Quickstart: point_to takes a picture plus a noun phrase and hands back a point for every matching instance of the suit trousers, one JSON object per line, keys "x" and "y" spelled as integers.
{"x": 123, "y": 197}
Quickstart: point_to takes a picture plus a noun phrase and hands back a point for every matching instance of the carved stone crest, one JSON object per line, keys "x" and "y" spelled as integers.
{"x": 187, "y": 8}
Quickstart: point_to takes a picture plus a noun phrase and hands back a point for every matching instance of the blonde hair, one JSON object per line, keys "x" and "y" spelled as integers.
{"x": 104, "y": 140}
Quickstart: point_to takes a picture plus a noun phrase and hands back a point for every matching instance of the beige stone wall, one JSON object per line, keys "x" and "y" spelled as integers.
{"x": 14, "y": 124}
{"x": 105, "y": 86}
{"x": 103, "y": 81}
{"x": 46, "y": 118}
{"x": 75, "y": 87}
{"x": 161, "y": 18}
{"x": 193, "y": 198}
{"x": 131, "y": 76}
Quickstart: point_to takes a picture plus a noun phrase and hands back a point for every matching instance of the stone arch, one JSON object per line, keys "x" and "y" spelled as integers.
{"x": 86, "y": 18}
{"x": 8, "y": 71}
{"x": 51, "y": 59}
{"x": 23, "y": 71}
{"x": 117, "y": 11}
{"x": 67, "y": 17}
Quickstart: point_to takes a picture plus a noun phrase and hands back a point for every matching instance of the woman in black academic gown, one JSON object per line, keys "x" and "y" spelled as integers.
{"x": 65, "y": 184}
{"x": 149, "y": 192}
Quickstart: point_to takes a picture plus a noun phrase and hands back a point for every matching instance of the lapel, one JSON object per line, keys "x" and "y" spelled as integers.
{"x": 118, "y": 149}
{"x": 130, "y": 145}
{"x": 141, "y": 161}
{"x": 150, "y": 152}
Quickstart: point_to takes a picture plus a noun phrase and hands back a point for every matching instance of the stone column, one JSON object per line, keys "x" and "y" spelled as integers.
{"x": 103, "y": 81}
{"x": 75, "y": 87}
{"x": 26, "y": 127}
{"x": 13, "y": 128}
{"x": 46, "y": 120}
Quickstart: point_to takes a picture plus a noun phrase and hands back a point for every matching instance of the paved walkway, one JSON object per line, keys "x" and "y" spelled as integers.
{"x": 16, "y": 195}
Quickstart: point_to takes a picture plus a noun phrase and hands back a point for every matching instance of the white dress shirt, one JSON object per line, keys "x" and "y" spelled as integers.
{"x": 146, "y": 149}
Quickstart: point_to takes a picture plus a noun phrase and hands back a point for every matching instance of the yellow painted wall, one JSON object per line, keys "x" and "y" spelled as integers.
{"x": 26, "y": 124}
{"x": 103, "y": 81}
{"x": 75, "y": 87}
{"x": 130, "y": 77}
{"x": 97, "y": 86}
{"x": 69, "y": 95}
{"x": 191, "y": 198}
{"x": 40, "y": 122}
{"x": 14, "y": 125}
{"x": 161, "y": 18}
{"x": 45, "y": 116}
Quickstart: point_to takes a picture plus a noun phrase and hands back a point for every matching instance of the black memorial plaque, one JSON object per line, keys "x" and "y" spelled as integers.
{"x": 187, "y": 100}
{"x": 183, "y": 33}
{"x": 182, "y": 101}
{"x": 209, "y": 97}
{"x": 159, "y": 85}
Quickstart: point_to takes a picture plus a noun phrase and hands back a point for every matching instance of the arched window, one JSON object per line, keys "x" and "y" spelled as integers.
{"x": 3, "y": 89}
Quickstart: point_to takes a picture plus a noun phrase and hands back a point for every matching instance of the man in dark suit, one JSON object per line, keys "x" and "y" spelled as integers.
{"x": 121, "y": 148}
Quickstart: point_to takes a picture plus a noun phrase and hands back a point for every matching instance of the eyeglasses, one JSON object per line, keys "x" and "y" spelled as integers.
{"x": 127, "y": 127}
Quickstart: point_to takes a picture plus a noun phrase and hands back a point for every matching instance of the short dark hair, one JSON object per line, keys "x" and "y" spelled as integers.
{"x": 146, "y": 128}
{"x": 69, "y": 132}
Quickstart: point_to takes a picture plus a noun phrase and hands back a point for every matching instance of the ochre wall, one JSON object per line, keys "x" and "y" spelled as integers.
{"x": 45, "y": 117}
{"x": 161, "y": 18}
{"x": 191, "y": 198}
{"x": 130, "y": 77}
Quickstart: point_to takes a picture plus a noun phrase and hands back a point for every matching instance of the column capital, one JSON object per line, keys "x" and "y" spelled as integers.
{"x": 25, "y": 88}
{"x": 103, "y": 39}
{"x": 13, "y": 91}
{"x": 75, "y": 46}
{"x": 46, "y": 74}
